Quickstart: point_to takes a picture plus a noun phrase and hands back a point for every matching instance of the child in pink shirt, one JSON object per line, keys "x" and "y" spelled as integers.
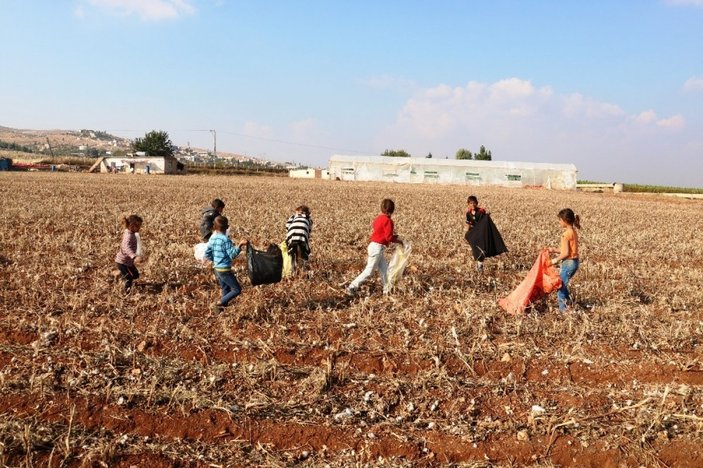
{"x": 127, "y": 258}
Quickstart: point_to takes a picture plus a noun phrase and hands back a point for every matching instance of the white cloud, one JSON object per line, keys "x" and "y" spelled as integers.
{"x": 150, "y": 10}
{"x": 519, "y": 120}
{"x": 676, "y": 122}
{"x": 257, "y": 130}
{"x": 694, "y": 83}
{"x": 576, "y": 104}
{"x": 79, "y": 12}
{"x": 645, "y": 117}
{"x": 512, "y": 88}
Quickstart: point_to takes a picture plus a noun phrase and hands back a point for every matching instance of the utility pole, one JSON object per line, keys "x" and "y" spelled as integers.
{"x": 50, "y": 149}
{"x": 214, "y": 146}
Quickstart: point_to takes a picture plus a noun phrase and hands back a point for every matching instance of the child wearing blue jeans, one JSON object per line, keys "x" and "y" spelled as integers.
{"x": 568, "y": 254}
{"x": 221, "y": 251}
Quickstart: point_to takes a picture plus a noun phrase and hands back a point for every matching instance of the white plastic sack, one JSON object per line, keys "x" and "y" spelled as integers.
{"x": 199, "y": 251}
{"x": 140, "y": 250}
{"x": 396, "y": 266}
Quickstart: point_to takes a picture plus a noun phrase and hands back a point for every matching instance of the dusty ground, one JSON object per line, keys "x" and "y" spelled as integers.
{"x": 296, "y": 373}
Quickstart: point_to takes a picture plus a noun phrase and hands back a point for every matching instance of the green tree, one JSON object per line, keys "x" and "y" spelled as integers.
{"x": 483, "y": 155}
{"x": 396, "y": 153}
{"x": 155, "y": 143}
{"x": 463, "y": 153}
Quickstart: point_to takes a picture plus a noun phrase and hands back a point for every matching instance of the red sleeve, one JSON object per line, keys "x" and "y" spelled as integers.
{"x": 389, "y": 233}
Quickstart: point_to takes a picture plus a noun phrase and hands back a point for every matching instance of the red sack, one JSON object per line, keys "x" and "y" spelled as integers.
{"x": 541, "y": 280}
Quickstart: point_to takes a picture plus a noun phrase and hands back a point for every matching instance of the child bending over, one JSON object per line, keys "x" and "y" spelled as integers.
{"x": 299, "y": 228}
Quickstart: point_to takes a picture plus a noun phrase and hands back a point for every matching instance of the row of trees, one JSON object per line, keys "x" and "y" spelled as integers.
{"x": 482, "y": 155}
{"x": 462, "y": 153}
{"x": 15, "y": 147}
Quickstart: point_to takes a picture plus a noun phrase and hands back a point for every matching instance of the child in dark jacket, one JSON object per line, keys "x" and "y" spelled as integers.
{"x": 127, "y": 256}
{"x": 382, "y": 236}
{"x": 209, "y": 214}
{"x": 221, "y": 251}
{"x": 474, "y": 214}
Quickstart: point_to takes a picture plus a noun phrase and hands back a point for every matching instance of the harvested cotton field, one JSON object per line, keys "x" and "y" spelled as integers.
{"x": 298, "y": 373}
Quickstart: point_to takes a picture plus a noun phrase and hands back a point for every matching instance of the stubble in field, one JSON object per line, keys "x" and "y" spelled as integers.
{"x": 298, "y": 373}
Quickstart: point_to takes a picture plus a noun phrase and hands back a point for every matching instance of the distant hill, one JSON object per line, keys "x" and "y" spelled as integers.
{"x": 24, "y": 143}
{"x": 61, "y": 142}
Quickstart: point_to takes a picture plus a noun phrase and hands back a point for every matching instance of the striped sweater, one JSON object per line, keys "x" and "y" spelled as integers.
{"x": 299, "y": 227}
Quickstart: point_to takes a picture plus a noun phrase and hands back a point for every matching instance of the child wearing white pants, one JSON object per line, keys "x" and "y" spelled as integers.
{"x": 376, "y": 261}
{"x": 381, "y": 237}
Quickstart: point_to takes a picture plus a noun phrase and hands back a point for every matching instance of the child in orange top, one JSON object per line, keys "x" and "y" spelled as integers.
{"x": 568, "y": 254}
{"x": 381, "y": 237}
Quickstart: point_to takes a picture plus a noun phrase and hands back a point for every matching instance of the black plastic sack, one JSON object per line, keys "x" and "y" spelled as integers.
{"x": 485, "y": 239}
{"x": 265, "y": 267}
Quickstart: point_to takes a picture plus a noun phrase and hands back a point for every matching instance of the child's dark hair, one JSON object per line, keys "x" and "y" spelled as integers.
{"x": 303, "y": 209}
{"x": 387, "y": 206}
{"x": 221, "y": 224}
{"x": 472, "y": 198}
{"x": 131, "y": 220}
{"x": 217, "y": 204}
{"x": 567, "y": 214}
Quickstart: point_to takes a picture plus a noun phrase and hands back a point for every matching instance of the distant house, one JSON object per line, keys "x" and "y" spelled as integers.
{"x": 308, "y": 173}
{"x": 139, "y": 165}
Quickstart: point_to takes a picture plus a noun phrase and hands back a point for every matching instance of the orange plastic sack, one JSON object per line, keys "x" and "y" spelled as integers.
{"x": 541, "y": 280}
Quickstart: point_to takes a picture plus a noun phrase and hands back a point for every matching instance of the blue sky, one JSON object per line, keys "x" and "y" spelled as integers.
{"x": 615, "y": 87}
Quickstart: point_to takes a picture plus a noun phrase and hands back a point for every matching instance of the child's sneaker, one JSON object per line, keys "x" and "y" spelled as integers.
{"x": 351, "y": 291}
{"x": 216, "y": 308}
{"x": 479, "y": 267}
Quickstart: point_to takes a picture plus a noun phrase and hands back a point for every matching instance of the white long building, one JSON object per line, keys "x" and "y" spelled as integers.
{"x": 453, "y": 171}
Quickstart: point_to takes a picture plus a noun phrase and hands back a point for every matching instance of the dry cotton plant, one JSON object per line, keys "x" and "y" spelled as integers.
{"x": 297, "y": 372}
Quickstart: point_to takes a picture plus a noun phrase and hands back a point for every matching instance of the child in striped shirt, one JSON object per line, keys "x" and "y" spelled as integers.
{"x": 299, "y": 228}
{"x": 127, "y": 257}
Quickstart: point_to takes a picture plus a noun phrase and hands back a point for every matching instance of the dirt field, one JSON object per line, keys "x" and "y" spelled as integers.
{"x": 297, "y": 373}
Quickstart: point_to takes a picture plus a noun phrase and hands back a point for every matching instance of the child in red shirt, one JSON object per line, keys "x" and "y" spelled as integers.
{"x": 381, "y": 237}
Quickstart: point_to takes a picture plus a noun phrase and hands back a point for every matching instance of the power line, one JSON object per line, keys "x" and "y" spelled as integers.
{"x": 253, "y": 137}
{"x": 309, "y": 145}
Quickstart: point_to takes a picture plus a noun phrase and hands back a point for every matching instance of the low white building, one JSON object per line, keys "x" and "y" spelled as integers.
{"x": 139, "y": 165}
{"x": 453, "y": 171}
{"x": 308, "y": 173}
